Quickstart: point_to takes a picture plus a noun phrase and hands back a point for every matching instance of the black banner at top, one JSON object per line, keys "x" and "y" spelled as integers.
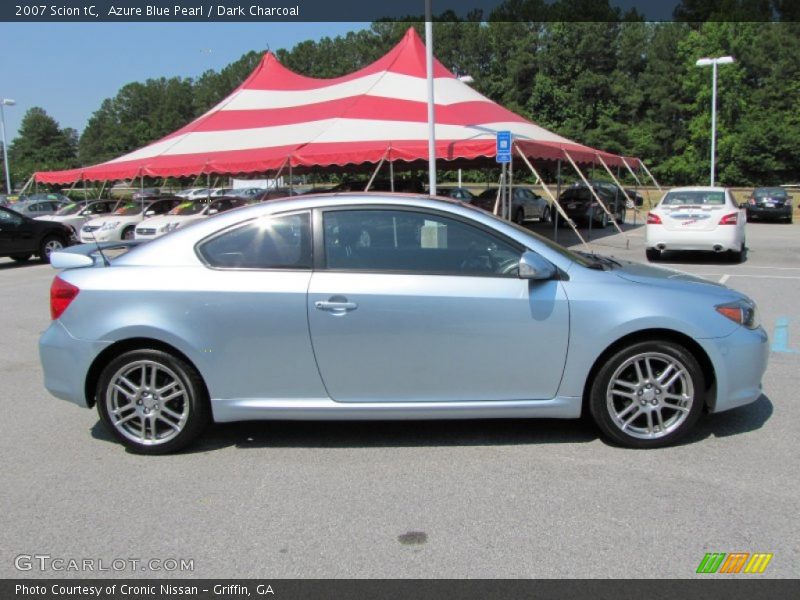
{"x": 371, "y": 10}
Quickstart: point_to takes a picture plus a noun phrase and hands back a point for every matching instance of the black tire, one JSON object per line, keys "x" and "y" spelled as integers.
{"x": 604, "y": 220}
{"x": 621, "y": 218}
{"x": 738, "y": 256}
{"x": 128, "y": 233}
{"x": 546, "y": 217}
{"x": 750, "y": 218}
{"x": 145, "y": 406}
{"x": 634, "y": 421}
{"x": 51, "y": 243}
{"x": 20, "y": 258}
{"x": 519, "y": 216}
{"x": 652, "y": 254}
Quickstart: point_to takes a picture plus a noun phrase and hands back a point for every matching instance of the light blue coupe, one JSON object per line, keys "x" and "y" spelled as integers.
{"x": 379, "y": 306}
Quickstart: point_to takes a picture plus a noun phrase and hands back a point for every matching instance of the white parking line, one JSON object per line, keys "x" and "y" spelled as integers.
{"x": 724, "y": 278}
{"x": 748, "y": 276}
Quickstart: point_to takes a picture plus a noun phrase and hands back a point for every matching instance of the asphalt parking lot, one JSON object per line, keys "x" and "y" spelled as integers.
{"x": 457, "y": 499}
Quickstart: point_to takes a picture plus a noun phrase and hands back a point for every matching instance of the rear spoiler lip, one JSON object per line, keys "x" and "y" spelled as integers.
{"x": 66, "y": 258}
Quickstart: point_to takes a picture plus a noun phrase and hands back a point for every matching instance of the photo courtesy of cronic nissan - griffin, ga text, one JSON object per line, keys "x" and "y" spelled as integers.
{"x": 387, "y": 306}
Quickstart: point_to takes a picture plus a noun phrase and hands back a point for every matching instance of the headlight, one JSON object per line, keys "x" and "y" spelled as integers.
{"x": 743, "y": 312}
{"x": 109, "y": 226}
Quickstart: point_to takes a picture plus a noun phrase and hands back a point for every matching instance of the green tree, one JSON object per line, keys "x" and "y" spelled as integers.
{"x": 41, "y": 145}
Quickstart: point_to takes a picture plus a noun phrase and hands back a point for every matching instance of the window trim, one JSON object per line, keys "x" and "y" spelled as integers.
{"x": 247, "y": 222}
{"x": 318, "y": 235}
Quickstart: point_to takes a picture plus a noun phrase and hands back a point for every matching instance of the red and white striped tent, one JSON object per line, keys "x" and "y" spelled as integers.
{"x": 278, "y": 117}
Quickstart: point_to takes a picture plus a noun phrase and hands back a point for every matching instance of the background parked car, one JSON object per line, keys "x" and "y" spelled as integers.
{"x": 39, "y": 208}
{"x": 21, "y": 237}
{"x": 121, "y": 224}
{"x": 525, "y": 204}
{"x": 275, "y": 193}
{"x": 459, "y": 193}
{"x": 76, "y": 214}
{"x": 185, "y": 213}
{"x": 696, "y": 218}
{"x": 769, "y": 203}
{"x": 55, "y": 196}
{"x": 580, "y": 205}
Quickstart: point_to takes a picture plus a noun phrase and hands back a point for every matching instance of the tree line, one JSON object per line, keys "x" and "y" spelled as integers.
{"x": 617, "y": 83}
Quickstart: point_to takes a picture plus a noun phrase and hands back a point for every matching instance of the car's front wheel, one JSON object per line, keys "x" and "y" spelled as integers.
{"x": 153, "y": 402}
{"x": 129, "y": 233}
{"x": 49, "y": 245}
{"x": 648, "y": 395}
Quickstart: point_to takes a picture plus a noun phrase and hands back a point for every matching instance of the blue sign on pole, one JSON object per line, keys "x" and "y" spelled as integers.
{"x": 503, "y": 147}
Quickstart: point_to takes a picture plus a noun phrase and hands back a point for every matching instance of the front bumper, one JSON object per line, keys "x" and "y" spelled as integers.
{"x": 739, "y": 361}
{"x": 65, "y": 363}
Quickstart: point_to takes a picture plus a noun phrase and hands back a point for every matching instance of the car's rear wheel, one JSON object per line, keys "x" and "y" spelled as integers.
{"x": 648, "y": 395}
{"x": 20, "y": 257}
{"x": 153, "y": 402}
{"x": 49, "y": 245}
{"x": 519, "y": 216}
{"x": 129, "y": 233}
{"x": 653, "y": 254}
{"x": 546, "y": 218}
{"x": 737, "y": 256}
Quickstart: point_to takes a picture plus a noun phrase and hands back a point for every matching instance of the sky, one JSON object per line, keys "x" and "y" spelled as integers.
{"x": 69, "y": 69}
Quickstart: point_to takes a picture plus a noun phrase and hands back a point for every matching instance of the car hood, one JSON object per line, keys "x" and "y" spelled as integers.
{"x": 671, "y": 278}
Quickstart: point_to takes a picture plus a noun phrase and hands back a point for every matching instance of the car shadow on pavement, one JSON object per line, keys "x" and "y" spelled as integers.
{"x": 442, "y": 433}
{"x": 384, "y": 434}
{"x": 12, "y": 264}
{"x": 732, "y": 422}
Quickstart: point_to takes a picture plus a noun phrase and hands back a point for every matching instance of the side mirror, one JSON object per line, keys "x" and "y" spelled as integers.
{"x": 533, "y": 266}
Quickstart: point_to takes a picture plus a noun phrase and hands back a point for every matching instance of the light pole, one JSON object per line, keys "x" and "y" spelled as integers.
{"x": 713, "y": 62}
{"x": 5, "y": 102}
{"x": 431, "y": 110}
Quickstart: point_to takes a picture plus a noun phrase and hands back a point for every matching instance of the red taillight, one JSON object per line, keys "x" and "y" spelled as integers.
{"x": 653, "y": 219}
{"x": 61, "y": 295}
{"x": 730, "y": 219}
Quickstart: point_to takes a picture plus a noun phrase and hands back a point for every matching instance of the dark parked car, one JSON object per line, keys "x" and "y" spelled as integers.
{"x": 769, "y": 203}
{"x": 580, "y": 205}
{"x": 636, "y": 198}
{"x": 459, "y": 193}
{"x": 21, "y": 237}
{"x": 274, "y": 193}
{"x": 525, "y": 204}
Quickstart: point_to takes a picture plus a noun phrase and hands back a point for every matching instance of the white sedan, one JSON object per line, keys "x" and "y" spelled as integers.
{"x": 183, "y": 214}
{"x": 696, "y": 218}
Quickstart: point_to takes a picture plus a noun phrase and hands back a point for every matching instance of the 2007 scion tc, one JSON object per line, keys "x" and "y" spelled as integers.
{"x": 376, "y": 306}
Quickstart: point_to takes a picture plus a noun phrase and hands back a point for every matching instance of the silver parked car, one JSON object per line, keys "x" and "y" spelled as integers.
{"x": 378, "y": 306}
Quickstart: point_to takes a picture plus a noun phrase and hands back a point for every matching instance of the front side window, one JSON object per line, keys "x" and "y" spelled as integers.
{"x": 403, "y": 241}
{"x": 273, "y": 242}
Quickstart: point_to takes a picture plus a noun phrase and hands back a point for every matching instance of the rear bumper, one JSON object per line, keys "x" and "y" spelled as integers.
{"x": 740, "y": 361}
{"x": 777, "y": 212}
{"x": 723, "y": 238}
{"x": 65, "y": 363}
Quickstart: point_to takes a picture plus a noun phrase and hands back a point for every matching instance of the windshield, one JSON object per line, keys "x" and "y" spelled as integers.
{"x": 694, "y": 197}
{"x": 188, "y": 208}
{"x": 69, "y": 209}
{"x": 129, "y": 208}
{"x": 770, "y": 193}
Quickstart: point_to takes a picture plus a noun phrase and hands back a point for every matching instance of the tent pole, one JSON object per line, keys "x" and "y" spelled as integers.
{"x": 102, "y": 189}
{"x": 616, "y": 181}
{"x": 141, "y": 189}
{"x": 554, "y": 201}
{"x": 27, "y": 183}
{"x": 391, "y": 176}
{"x": 208, "y": 186}
{"x": 558, "y": 195}
{"x": 649, "y": 174}
{"x": 291, "y": 183}
{"x": 511, "y": 188}
{"x": 85, "y": 193}
{"x": 501, "y": 186}
{"x": 280, "y": 170}
{"x": 375, "y": 172}
{"x": 637, "y": 180}
{"x": 596, "y": 197}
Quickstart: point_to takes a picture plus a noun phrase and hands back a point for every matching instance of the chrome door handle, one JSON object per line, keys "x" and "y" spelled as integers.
{"x": 335, "y": 306}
